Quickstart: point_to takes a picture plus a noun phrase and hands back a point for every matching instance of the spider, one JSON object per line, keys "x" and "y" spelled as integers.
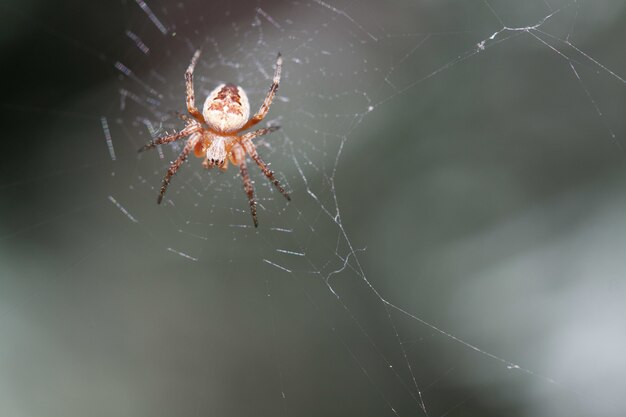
{"x": 215, "y": 134}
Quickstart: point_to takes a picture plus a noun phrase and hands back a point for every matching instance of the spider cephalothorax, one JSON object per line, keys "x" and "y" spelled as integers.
{"x": 215, "y": 134}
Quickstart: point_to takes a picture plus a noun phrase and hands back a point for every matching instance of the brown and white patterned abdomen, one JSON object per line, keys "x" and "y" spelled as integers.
{"x": 227, "y": 108}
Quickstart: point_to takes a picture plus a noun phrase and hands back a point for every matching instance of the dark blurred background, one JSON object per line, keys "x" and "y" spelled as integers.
{"x": 455, "y": 241}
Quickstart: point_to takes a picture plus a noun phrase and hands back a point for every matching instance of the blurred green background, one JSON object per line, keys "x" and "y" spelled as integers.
{"x": 455, "y": 241}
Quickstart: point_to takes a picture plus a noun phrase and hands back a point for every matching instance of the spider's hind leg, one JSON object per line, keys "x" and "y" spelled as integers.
{"x": 265, "y": 107}
{"x": 191, "y": 95}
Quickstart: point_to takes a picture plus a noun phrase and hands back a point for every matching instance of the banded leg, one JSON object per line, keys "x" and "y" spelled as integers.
{"x": 174, "y": 167}
{"x": 171, "y": 138}
{"x": 247, "y": 186}
{"x": 265, "y": 107}
{"x": 259, "y": 132}
{"x": 191, "y": 96}
{"x": 182, "y": 117}
{"x": 251, "y": 150}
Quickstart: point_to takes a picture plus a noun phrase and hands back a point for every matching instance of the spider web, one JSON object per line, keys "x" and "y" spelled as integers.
{"x": 453, "y": 245}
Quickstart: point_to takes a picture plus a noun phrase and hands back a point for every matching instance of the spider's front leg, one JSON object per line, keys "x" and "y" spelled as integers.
{"x": 191, "y": 143}
{"x": 250, "y": 148}
{"x": 190, "y": 129}
{"x": 239, "y": 157}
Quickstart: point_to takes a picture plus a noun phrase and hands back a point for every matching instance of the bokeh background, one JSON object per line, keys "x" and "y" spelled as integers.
{"x": 455, "y": 244}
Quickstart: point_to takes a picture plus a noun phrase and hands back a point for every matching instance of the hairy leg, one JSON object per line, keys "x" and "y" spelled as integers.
{"x": 171, "y": 138}
{"x": 260, "y": 132}
{"x": 247, "y": 186}
{"x": 174, "y": 167}
{"x": 191, "y": 96}
{"x": 251, "y": 150}
{"x": 265, "y": 107}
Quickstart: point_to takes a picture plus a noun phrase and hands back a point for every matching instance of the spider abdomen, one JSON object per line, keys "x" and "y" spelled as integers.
{"x": 227, "y": 108}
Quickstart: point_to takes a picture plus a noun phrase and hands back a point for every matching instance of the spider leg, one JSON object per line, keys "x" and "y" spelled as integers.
{"x": 191, "y": 96}
{"x": 247, "y": 186}
{"x": 171, "y": 138}
{"x": 265, "y": 107}
{"x": 251, "y": 150}
{"x": 181, "y": 116}
{"x": 175, "y": 166}
{"x": 260, "y": 132}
